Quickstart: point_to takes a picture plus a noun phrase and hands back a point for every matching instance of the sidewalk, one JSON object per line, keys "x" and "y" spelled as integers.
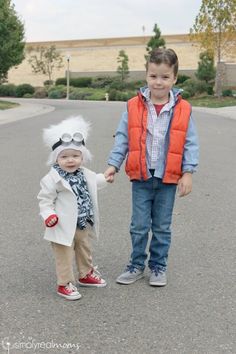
{"x": 226, "y": 112}
{"x": 25, "y": 110}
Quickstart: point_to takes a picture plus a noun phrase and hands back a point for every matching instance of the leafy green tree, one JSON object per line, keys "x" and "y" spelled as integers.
{"x": 45, "y": 61}
{"x": 215, "y": 30}
{"x": 123, "y": 68}
{"x": 156, "y": 41}
{"x": 11, "y": 38}
{"x": 206, "y": 69}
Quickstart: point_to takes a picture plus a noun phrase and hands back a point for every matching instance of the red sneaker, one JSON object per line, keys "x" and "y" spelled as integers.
{"x": 69, "y": 291}
{"x": 93, "y": 278}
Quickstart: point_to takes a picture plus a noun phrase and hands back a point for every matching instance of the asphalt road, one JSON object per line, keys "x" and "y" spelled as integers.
{"x": 193, "y": 314}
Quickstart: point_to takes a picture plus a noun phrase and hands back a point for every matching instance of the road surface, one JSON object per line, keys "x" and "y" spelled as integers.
{"x": 193, "y": 314}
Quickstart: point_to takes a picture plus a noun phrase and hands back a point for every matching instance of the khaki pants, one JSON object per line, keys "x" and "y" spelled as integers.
{"x": 64, "y": 257}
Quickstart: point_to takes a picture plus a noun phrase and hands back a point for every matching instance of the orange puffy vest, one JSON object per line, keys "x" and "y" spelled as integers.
{"x": 136, "y": 167}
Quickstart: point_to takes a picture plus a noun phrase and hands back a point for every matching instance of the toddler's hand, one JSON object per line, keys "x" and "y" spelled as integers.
{"x": 110, "y": 174}
{"x": 51, "y": 221}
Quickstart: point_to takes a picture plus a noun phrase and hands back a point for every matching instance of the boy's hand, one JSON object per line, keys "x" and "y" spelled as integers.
{"x": 51, "y": 221}
{"x": 185, "y": 184}
{"x": 110, "y": 174}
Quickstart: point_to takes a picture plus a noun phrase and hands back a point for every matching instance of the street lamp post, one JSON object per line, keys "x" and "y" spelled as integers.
{"x": 143, "y": 28}
{"x": 68, "y": 77}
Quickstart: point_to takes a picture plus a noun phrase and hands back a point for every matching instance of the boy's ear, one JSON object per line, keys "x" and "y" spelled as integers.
{"x": 176, "y": 78}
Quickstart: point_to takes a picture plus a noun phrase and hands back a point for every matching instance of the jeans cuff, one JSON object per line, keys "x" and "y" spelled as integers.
{"x": 157, "y": 267}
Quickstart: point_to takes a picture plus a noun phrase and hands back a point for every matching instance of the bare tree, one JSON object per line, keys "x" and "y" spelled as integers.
{"x": 45, "y": 61}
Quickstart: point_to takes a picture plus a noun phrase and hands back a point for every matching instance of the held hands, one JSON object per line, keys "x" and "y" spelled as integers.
{"x": 110, "y": 174}
{"x": 185, "y": 184}
{"x": 51, "y": 221}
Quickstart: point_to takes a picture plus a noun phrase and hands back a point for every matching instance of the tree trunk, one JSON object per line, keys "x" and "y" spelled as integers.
{"x": 220, "y": 74}
{"x": 219, "y": 67}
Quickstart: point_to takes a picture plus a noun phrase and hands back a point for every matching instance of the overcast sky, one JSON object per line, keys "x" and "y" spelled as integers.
{"x": 83, "y": 19}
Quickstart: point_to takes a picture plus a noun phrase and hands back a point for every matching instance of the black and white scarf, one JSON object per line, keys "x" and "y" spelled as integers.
{"x": 79, "y": 186}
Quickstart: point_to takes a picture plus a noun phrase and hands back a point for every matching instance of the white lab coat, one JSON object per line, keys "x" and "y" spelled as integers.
{"x": 57, "y": 197}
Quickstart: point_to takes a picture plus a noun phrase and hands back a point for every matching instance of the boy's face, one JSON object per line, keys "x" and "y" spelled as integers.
{"x": 70, "y": 160}
{"x": 160, "y": 79}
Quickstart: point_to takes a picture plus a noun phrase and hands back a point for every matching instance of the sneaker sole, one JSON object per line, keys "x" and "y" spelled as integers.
{"x": 157, "y": 284}
{"x": 127, "y": 282}
{"x": 72, "y": 298}
{"x": 92, "y": 285}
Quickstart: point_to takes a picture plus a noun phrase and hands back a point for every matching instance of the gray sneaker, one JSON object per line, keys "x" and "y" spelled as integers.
{"x": 130, "y": 275}
{"x": 157, "y": 278}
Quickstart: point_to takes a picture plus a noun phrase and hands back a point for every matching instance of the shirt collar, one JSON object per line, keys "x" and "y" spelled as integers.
{"x": 173, "y": 97}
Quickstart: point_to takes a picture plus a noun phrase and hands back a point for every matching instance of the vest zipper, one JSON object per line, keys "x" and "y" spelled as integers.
{"x": 140, "y": 143}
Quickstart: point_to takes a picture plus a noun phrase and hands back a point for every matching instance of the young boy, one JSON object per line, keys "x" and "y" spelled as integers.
{"x": 158, "y": 136}
{"x": 68, "y": 205}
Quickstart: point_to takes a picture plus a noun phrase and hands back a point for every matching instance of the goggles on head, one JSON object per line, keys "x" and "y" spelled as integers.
{"x": 67, "y": 139}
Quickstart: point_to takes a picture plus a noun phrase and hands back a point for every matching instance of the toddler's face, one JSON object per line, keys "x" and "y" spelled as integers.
{"x": 160, "y": 79}
{"x": 70, "y": 160}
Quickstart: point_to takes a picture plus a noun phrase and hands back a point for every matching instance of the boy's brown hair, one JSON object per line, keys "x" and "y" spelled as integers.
{"x": 166, "y": 56}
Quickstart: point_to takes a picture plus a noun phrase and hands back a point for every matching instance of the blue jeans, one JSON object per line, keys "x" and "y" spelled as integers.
{"x": 152, "y": 207}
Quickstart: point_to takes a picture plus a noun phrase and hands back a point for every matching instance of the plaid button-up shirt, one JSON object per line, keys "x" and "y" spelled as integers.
{"x": 157, "y": 129}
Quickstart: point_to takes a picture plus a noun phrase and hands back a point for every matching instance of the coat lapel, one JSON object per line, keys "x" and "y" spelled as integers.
{"x": 58, "y": 179}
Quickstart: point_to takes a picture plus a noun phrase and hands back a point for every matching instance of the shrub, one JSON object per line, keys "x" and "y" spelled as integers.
{"x": 28, "y": 95}
{"x": 227, "y": 93}
{"x": 125, "y": 96}
{"x": 40, "y": 92}
{"x": 197, "y": 87}
{"x": 79, "y": 95}
{"x": 112, "y": 95}
{"x": 57, "y": 92}
{"x": 182, "y": 78}
{"x": 87, "y": 94}
{"x": 185, "y": 94}
{"x": 48, "y": 83}
{"x": 135, "y": 85}
{"x": 7, "y": 90}
{"x": 190, "y": 85}
{"x": 97, "y": 96}
{"x": 60, "y": 81}
{"x": 210, "y": 90}
{"x": 118, "y": 85}
{"x": 194, "y": 87}
{"x": 115, "y": 95}
{"x": 206, "y": 70}
{"x": 102, "y": 82}
{"x": 21, "y": 90}
{"x": 75, "y": 82}
{"x": 121, "y": 96}
{"x": 203, "y": 86}
{"x": 81, "y": 82}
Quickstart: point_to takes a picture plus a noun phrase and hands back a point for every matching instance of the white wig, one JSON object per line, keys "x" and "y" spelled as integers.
{"x": 71, "y": 126}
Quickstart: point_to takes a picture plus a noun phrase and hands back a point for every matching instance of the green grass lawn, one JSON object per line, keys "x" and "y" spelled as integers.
{"x": 7, "y": 105}
{"x": 203, "y": 101}
{"x": 212, "y": 102}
